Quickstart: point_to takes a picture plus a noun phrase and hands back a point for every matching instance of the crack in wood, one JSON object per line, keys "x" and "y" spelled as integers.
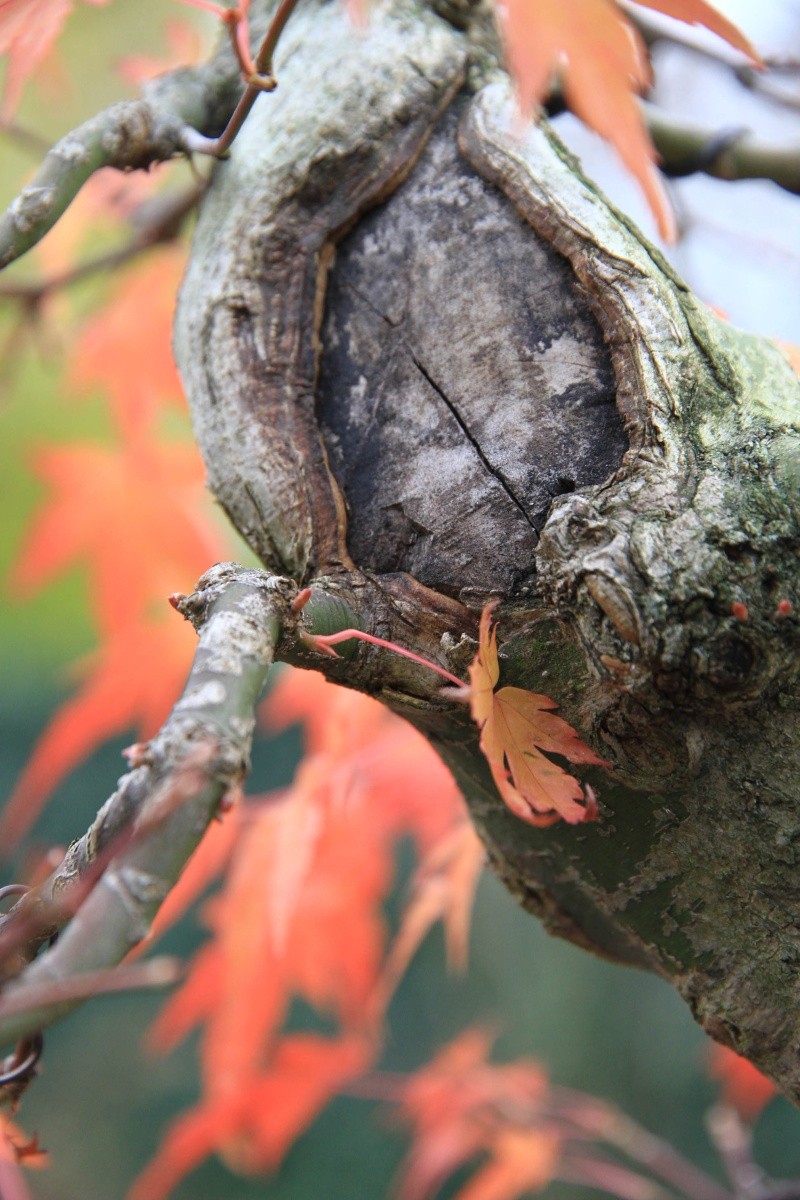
{"x": 468, "y": 434}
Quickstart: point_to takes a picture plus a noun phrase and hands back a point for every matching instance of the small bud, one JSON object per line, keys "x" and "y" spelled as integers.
{"x": 739, "y": 611}
{"x": 232, "y": 797}
{"x": 592, "y": 810}
{"x": 136, "y": 754}
{"x": 301, "y": 600}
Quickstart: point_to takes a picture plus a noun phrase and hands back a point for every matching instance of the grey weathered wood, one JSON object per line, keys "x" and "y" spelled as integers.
{"x": 513, "y": 406}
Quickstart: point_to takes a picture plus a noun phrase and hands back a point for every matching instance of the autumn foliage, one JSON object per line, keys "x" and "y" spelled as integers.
{"x": 287, "y": 873}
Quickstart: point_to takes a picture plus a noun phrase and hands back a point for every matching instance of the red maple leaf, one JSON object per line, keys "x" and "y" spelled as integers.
{"x": 135, "y": 515}
{"x": 28, "y": 30}
{"x": 743, "y": 1085}
{"x": 130, "y": 683}
{"x": 108, "y": 350}
{"x": 596, "y": 54}
{"x": 253, "y": 1128}
{"x": 458, "y": 1106}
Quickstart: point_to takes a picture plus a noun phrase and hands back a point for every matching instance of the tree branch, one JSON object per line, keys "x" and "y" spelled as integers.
{"x": 132, "y": 135}
{"x": 190, "y": 110}
{"x": 724, "y": 154}
{"x": 157, "y": 816}
{"x": 156, "y": 223}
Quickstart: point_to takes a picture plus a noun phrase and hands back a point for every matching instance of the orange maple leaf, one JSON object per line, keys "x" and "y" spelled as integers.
{"x": 516, "y": 726}
{"x": 108, "y": 350}
{"x": 743, "y": 1085}
{"x": 28, "y": 29}
{"x": 253, "y": 1128}
{"x": 458, "y": 1106}
{"x": 522, "y": 1161}
{"x": 443, "y": 890}
{"x": 307, "y": 864}
{"x": 135, "y": 515}
{"x": 131, "y": 682}
{"x": 602, "y": 64}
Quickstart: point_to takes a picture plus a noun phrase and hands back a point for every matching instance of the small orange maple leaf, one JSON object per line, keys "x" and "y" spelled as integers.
{"x": 132, "y": 681}
{"x": 253, "y": 1126}
{"x": 516, "y": 726}
{"x": 108, "y": 350}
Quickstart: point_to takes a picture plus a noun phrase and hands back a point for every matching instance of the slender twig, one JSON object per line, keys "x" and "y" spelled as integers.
{"x": 200, "y": 753}
{"x": 325, "y": 642}
{"x": 155, "y": 973}
{"x": 733, "y": 1140}
{"x": 132, "y": 135}
{"x": 26, "y": 138}
{"x": 261, "y": 80}
{"x": 768, "y": 86}
{"x": 653, "y": 29}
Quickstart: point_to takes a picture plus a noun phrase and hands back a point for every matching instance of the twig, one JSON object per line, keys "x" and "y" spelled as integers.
{"x": 164, "y": 225}
{"x": 598, "y": 1119}
{"x": 733, "y": 1139}
{"x": 766, "y": 85}
{"x": 190, "y": 110}
{"x": 260, "y": 80}
{"x": 239, "y": 614}
{"x": 653, "y": 29}
{"x": 26, "y": 138}
{"x": 155, "y": 973}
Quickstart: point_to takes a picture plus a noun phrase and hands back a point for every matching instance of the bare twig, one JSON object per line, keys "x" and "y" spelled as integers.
{"x": 260, "y": 80}
{"x": 655, "y": 28}
{"x": 733, "y": 1139}
{"x": 129, "y": 136}
{"x": 190, "y": 110}
{"x": 163, "y": 224}
{"x": 26, "y": 138}
{"x": 155, "y": 973}
{"x": 768, "y": 86}
{"x": 639, "y": 1144}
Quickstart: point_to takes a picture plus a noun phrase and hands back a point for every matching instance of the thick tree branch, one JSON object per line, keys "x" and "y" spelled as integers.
{"x": 190, "y": 110}
{"x": 155, "y": 819}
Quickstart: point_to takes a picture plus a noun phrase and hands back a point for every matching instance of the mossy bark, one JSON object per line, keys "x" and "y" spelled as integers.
{"x": 617, "y": 590}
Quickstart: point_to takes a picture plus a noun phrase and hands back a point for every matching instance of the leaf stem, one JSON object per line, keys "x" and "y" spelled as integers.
{"x": 333, "y": 639}
{"x": 261, "y": 79}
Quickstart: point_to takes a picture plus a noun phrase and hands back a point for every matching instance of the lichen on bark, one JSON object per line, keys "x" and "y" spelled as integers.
{"x": 617, "y": 591}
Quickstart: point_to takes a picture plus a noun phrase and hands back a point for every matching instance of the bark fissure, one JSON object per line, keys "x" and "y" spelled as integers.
{"x": 471, "y": 438}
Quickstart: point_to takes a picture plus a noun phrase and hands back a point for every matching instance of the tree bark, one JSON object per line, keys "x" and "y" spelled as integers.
{"x": 429, "y": 364}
